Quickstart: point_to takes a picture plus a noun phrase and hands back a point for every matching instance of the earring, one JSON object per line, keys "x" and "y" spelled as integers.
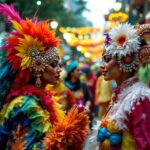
{"x": 38, "y": 81}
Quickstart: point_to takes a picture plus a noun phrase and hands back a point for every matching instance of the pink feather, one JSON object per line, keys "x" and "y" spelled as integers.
{"x": 9, "y": 13}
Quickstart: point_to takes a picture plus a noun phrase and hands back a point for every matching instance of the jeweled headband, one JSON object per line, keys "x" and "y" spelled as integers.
{"x": 32, "y": 45}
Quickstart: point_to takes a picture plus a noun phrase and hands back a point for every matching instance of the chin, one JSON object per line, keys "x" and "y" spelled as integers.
{"x": 54, "y": 83}
{"x": 106, "y": 78}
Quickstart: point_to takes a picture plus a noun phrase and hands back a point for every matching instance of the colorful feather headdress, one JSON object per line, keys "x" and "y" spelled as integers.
{"x": 123, "y": 42}
{"x": 32, "y": 44}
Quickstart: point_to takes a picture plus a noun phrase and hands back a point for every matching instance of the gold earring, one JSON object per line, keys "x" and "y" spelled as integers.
{"x": 38, "y": 81}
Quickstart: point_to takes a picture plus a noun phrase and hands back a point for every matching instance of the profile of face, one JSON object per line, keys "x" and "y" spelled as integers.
{"x": 111, "y": 69}
{"x": 76, "y": 73}
{"x": 51, "y": 74}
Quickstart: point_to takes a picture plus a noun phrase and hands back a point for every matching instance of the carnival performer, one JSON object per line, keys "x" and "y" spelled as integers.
{"x": 126, "y": 123}
{"x": 103, "y": 99}
{"x": 30, "y": 117}
{"x": 80, "y": 89}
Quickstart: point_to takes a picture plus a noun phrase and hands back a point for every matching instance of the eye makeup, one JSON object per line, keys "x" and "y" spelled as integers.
{"x": 107, "y": 58}
{"x": 53, "y": 64}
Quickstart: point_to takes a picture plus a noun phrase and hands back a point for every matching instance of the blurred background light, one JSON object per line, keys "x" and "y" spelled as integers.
{"x": 38, "y": 2}
{"x": 117, "y": 6}
{"x": 54, "y": 24}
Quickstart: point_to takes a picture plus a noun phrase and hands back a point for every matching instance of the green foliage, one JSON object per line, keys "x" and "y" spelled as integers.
{"x": 52, "y": 10}
{"x": 82, "y": 6}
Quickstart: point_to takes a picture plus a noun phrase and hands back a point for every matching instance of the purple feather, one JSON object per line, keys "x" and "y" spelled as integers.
{"x": 9, "y": 13}
{"x": 107, "y": 39}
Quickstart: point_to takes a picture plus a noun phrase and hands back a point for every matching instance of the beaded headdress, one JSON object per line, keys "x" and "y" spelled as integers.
{"x": 32, "y": 45}
{"x": 144, "y": 32}
{"x": 123, "y": 43}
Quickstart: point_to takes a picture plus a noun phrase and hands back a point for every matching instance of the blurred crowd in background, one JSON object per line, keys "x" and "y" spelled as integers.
{"x": 82, "y": 46}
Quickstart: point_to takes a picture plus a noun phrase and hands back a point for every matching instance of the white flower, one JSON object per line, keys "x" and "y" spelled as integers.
{"x": 124, "y": 40}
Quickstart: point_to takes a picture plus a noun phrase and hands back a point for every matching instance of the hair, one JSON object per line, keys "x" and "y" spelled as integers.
{"x": 69, "y": 74}
{"x": 142, "y": 42}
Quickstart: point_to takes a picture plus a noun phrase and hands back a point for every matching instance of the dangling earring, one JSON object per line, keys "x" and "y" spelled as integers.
{"x": 38, "y": 81}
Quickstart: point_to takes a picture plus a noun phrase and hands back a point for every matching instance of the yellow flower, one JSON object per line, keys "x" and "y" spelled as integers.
{"x": 27, "y": 48}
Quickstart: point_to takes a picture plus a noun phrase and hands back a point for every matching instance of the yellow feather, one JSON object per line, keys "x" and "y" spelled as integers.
{"x": 9, "y": 107}
{"x": 58, "y": 109}
{"x": 17, "y": 26}
{"x": 24, "y": 62}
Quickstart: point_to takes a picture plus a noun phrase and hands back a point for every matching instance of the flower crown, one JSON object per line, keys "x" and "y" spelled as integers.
{"x": 123, "y": 42}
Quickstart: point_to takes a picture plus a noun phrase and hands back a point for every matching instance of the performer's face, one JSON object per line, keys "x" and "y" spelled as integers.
{"x": 76, "y": 73}
{"x": 111, "y": 69}
{"x": 51, "y": 74}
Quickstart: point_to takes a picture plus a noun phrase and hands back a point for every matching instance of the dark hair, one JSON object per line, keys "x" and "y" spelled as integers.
{"x": 69, "y": 74}
{"x": 142, "y": 42}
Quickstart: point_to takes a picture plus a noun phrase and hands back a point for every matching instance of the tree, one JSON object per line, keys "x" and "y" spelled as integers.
{"x": 52, "y": 10}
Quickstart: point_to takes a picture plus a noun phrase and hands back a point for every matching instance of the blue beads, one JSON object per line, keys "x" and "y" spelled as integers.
{"x": 103, "y": 133}
{"x": 115, "y": 138}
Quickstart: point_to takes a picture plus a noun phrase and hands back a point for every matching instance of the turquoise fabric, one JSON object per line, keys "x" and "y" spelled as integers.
{"x": 72, "y": 65}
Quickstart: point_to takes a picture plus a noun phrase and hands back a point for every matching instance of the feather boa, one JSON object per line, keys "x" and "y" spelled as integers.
{"x": 69, "y": 133}
{"x": 53, "y": 107}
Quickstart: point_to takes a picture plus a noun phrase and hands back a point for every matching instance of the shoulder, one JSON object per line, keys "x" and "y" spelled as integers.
{"x": 128, "y": 99}
{"x": 134, "y": 94}
{"x": 29, "y": 107}
{"x": 138, "y": 91}
{"x": 22, "y": 104}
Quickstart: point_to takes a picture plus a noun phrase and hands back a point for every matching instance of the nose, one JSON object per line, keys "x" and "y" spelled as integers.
{"x": 59, "y": 69}
{"x": 103, "y": 65}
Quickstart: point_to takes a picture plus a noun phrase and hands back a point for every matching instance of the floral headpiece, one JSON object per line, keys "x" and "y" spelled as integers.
{"x": 144, "y": 32}
{"x": 32, "y": 44}
{"x": 123, "y": 42}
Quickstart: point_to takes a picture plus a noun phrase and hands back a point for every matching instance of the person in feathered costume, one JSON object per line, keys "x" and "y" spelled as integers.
{"x": 29, "y": 114}
{"x": 126, "y": 123}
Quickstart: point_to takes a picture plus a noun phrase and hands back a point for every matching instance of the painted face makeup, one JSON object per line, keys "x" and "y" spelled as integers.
{"x": 111, "y": 64}
{"x": 109, "y": 61}
{"x": 110, "y": 67}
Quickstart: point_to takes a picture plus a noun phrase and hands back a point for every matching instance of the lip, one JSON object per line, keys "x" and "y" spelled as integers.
{"x": 104, "y": 72}
{"x": 58, "y": 76}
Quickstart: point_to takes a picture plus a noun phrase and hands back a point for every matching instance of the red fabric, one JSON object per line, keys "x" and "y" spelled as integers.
{"x": 91, "y": 83}
{"x": 70, "y": 97}
{"x": 140, "y": 124}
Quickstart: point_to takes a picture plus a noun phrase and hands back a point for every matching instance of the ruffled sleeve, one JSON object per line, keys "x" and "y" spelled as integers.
{"x": 23, "y": 123}
{"x": 140, "y": 117}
